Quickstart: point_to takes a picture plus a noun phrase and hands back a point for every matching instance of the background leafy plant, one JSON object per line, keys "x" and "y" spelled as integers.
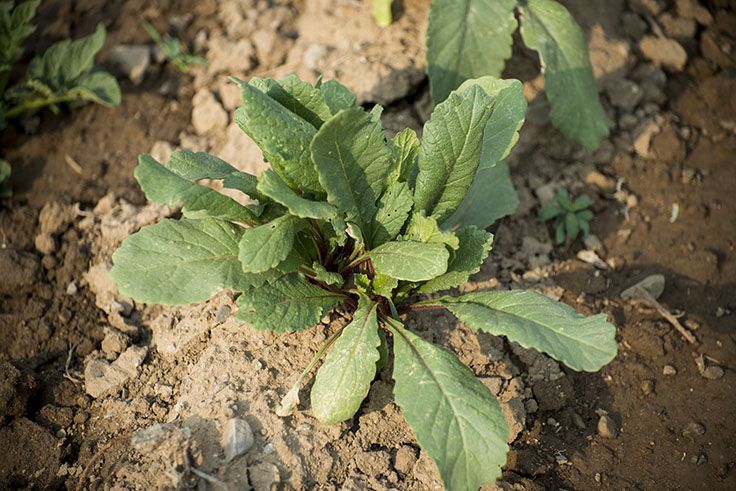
{"x": 64, "y": 73}
{"x": 570, "y": 217}
{"x": 472, "y": 38}
{"x": 5, "y": 171}
{"x": 347, "y": 217}
{"x": 174, "y": 50}
{"x": 15, "y": 27}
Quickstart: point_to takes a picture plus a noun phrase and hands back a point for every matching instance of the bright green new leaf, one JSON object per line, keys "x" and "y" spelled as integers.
{"x": 289, "y": 304}
{"x": 393, "y": 210}
{"x": 548, "y": 28}
{"x": 302, "y": 98}
{"x": 271, "y": 185}
{"x": 265, "y": 246}
{"x": 466, "y": 261}
{"x": 384, "y": 285}
{"x": 326, "y": 277}
{"x": 455, "y": 418}
{"x": 337, "y": 96}
{"x": 405, "y": 148}
{"x": 425, "y": 229}
{"x": 176, "y": 262}
{"x": 165, "y": 187}
{"x": 410, "y": 260}
{"x": 450, "y": 151}
{"x": 467, "y": 39}
{"x": 353, "y": 162}
{"x": 283, "y": 137}
{"x": 538, "y": 322}
{"x": 343, "y": 380}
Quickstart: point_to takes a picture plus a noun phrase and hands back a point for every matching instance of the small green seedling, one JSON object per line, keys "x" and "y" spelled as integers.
{"x": 348, "y": 218}
{"x": 15, "y": 27}
{"x": 472, "y": 38}
{"x": 5, "y": 170}
{"x": 174, "y": 50}
{"x": 382, "y": 12}
{"x": 570, "y": 217}
{"x": 64, "y": 73}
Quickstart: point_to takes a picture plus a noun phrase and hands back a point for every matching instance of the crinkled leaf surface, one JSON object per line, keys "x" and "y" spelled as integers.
{"x": 15, "y": 27}
{"x": 99, "y": 87}
{"x": 410, "y": 260}
{"x": 353, "y": 162}
{"x": 289, "y": 304}
{"x": 450, "y": 151}
{"x": 466, "y": 261}
{"x": 337, "y": 96}
{"x": 467, "y": 39}
{"x": 454, "y": 417}
{"x": 302, "y": 98}
{"x": 393, "y": 210}
{"x": 536, "y": 321}
{"x": 343, "y": 380}
{"x": 165, "y": 187}
{"x": 271, "y": 185}
{"x": 200, "y": 165}
{"x": 405, "y": 148}
{"x": 548, "y": 28}
{"x": 265, "y": 246}
{"x": 283, "y": 137}
{"x": 425, "y": 229}
{"x": 178, "y": 261}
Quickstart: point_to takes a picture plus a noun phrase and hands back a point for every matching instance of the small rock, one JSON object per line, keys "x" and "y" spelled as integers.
{"x": 678, "y": 27}
{"x": 578, "y": 421}
{"x": 531, "y": 406}
{"x": 546, "y": 193}
{"x": 669, "y": 370}
{"x": 607, "y": 427}
{"x": 713, "y": 372}
{"x": 373, "y": 463}
{"x": 625, "y": 95}
{"x": 644, "y": 133}
{"x": 653, "y": 284}
{"x": 690, "y": 9}
{"x": 593, "y": 242}
{"x": 237, "y": 438}
{"x": 647, "y": 387}
{"x": 131, "y": 60}
{"x": 314, "y": 56}
{"x": 269, "y": 47}
{"x": 149, "y": 439}
{"x": 229, "y": 57}
{"x": 664, "y": 52}
{"x": 601, "y": 181}
{"x": 81, "y": 417}
{"x": 591, "y": 257}
{"x": 515, "y": 413}
{"x": 207, "y": 114}
{"x": 101, "y": 377}
{"x": 693, "y": 429}
{"x": 60, "y": 417}
{"x": 71, "y": 288}
{"x": 495, "y": 384}
{"x": 161, "y": 151}
{"x": 405, "y": 459}
{"x": 264, "y": 476}
{"x": 229, "y": 93}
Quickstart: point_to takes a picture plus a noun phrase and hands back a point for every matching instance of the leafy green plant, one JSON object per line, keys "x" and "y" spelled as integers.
{"x": 471, "y": 38}
{"x": 382, "y": 12}
{"x": 15, "y": 27}
{"x": 347, "y": 218}
{"x": 5, "y": 171}
{"x": 570, "y": 217}
{"x": 174, "y": 50}
{"x": 64, "y": 73}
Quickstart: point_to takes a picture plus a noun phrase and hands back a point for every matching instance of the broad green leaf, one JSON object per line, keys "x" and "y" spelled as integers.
{"x": 410, "y": 260}
{"x": 393, "y": 210}
{"x": 466, "y": 261}
{"x": 302, "y": 98}
{"x": 15, "y": 27}
{"x": 337, "y": 96}
{"x": 326, "y": 277}
{"x": 450, "y": 151}
{"x": 165, "y": 187}
{"x": 265, "y": 246}
{"x": 383, "y": 285}
{"x": 454, "y": 417}
{"x": 490, "y": 197}
{"x": 178, "y": 261}
{"x": 291, "y": 264}
{"x": 283, "y": 137}
{"x": 289, "y": 304}
{"x": 66, "y": 60}
{"x": 99, "y": 87}
{"x": 536, "y": 321}
{"x": 201, "y": 165}
{"x": 271, "y": 185}
{"x": 353, "y": 162}
{"x": 343, "y": 380}
{"x": 467, "y": 39}
{"x": 405, "y": 149}
{"x": 425, "y": 229}
{"x": 548, "y": 28}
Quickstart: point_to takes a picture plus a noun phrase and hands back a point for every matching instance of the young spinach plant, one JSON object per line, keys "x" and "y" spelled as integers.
{"x": 347, "y": 217}
{"x": 64, "y": 73}
{"x": 471, "y": 38}
{"x": 15, "y": 27}
{"x": 570, "y": 217}
{"x": 174, "y": 50}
